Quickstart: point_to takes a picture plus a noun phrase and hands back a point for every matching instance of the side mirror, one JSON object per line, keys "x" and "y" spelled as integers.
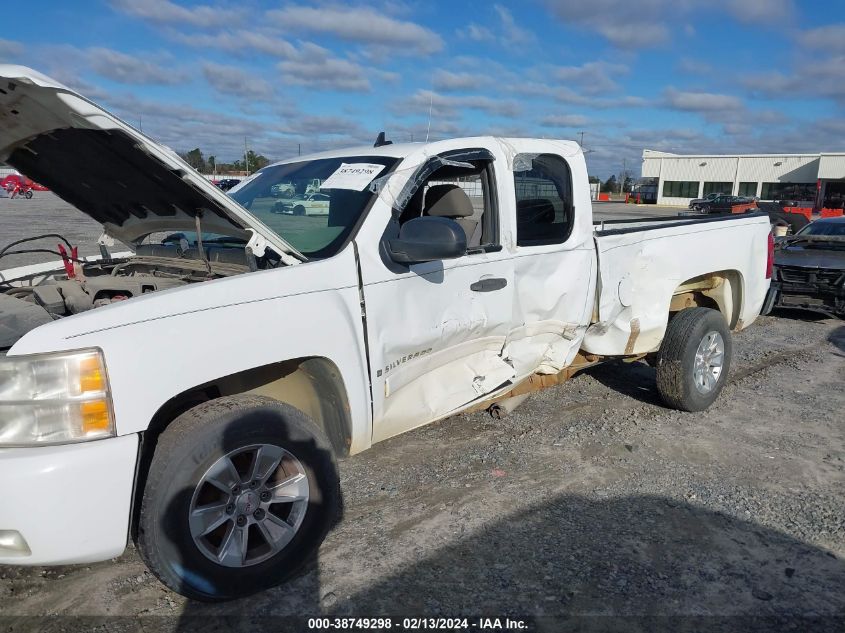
{"x": 428, "y": 239}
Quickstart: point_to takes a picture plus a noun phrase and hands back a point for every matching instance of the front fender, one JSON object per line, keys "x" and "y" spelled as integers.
{"x": 242, "y": 324}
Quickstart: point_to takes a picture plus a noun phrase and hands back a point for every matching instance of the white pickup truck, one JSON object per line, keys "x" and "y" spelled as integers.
{"x": 193, "y": 392}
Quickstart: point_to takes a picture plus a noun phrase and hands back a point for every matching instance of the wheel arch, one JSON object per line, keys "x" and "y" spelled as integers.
{"x": 722, "y": 290}
{"x": 314, "y": 385}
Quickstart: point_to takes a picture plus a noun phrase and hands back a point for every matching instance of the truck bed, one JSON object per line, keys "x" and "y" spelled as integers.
{"x": 643, "y": 264}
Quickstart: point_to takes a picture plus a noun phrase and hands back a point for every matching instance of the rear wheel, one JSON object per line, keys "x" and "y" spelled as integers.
{"x": 241, "y": 492}
{"x": 694, "y": 359}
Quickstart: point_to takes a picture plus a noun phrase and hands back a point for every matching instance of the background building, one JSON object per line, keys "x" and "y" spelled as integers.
{"x": 813, "y": 179}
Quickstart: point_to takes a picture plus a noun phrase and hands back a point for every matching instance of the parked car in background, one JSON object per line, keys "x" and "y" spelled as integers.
{"x": 227, "y": 183}
{"x": 727, "y": 204}
{"x": 312, "y": 204}
{"x": 283, "y": 190}
{"x": 695, "y": 204}
{"x": 809, "y": 270}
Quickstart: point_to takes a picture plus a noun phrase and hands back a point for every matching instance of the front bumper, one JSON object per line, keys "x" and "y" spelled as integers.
{"x": 68, "y": 504}
{"x": 818, "y": 290}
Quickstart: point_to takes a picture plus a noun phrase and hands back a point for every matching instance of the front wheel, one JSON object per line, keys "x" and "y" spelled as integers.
{"x": 241, "y": 492}
{"x": 299, "y": 210}
{"x": 28, "y": 195}
{"x": 694, "y": 359}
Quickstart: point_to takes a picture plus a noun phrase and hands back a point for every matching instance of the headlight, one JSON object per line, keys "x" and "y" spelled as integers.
{"x": 54, "y": 398}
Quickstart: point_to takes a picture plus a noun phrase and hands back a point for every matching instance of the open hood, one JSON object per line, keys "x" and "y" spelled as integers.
{"x": 110, "y": 171}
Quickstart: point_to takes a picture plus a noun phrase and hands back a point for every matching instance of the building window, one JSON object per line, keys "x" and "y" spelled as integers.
{"x": 797, "y": 191}
{"x": 718, "y": 187}
{"x": 747, "y": 189}
{"x": 680, "y": 189}
{"x": 544, "y": 209}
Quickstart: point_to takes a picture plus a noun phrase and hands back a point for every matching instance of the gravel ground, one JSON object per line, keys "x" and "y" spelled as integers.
{"x": 591, "y": 498}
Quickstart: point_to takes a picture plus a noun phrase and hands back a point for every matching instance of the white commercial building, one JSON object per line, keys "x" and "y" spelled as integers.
{"x": 811, "y": 179}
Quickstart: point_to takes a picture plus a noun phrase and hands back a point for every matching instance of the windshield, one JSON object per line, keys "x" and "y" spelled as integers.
{"x": 834, "y": 229}
{"x": 315, "y": 204}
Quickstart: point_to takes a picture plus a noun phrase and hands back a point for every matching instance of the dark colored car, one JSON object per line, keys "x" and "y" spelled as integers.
{"x": 227, "y": 183}
{"x": 723, "y": 204}
{"x": 695, "y": 203}
{"x": 809, "y": 270}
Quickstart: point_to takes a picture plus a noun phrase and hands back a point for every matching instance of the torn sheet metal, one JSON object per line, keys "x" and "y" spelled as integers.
{"x": 397, "y": 187}
{"x": 640, "y": 271}
{"x": 434, "y": 344}
{"x": 552, "y": 303}
{"x": 443, "y": 388}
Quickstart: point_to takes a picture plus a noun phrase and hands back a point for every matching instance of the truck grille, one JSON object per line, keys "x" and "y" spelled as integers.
{"x": 811, "y": 277}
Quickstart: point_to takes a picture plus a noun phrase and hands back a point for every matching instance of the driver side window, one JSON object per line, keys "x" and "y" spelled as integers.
{"x": 459, "y": 194}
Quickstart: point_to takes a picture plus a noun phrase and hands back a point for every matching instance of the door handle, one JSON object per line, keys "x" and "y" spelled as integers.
{"x": 489, "y": 284}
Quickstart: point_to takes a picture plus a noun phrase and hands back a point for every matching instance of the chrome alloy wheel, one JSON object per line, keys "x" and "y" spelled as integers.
{"x": 709, "y": 358}
{"x": 249, "y": 505}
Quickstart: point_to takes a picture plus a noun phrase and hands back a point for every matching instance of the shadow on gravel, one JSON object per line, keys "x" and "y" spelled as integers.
{"x": 798, "y": 314}
{"x": 636, "y": 380}
{"x": 837, "y": 337}
{"x": 684, "y": 567}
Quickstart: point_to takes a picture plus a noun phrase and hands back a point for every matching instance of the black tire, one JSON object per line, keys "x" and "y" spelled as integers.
{"x": 28, "y": 195}
{"x": 186, "y": 450}
{"x": 677, "y": 355}
{"x": 299, "y": 210}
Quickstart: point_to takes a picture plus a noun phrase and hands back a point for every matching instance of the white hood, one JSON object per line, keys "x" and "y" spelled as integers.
{"x": 107, "y": 169}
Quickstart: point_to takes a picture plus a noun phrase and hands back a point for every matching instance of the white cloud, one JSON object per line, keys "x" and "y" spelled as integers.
{"x": 326, "y": 125}
{"x": 808, "y": 78}
{"x": 166, "y": 12}
{"x": 592, "y": 77}
{"x": 236, "y": 82}
{"x": 10, "y": 49}
{"x": 358, "y": 24}
{"x": 450, "y": 106}
{"x": 691, "y": 66}
{"x": 702, "y": 102}
{"x": 507, "y": 32}
{"x": 131, "y": 69}
{"x": 478, "y": 33}
{"x": 650, "y": 23}
{"x": 829, "y": 38}
{"x": 239, "y": 42}
{"x": 513, "y": 34}
{"x": 564, "y": 120}
{"x": 756, "y": 11}
{"x": 315, "y": 67}
{"x": 448, "y": 81}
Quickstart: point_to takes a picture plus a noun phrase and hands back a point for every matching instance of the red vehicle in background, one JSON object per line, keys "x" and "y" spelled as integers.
{"x": 21, "y": 181}
{"x": 18, "y": 186}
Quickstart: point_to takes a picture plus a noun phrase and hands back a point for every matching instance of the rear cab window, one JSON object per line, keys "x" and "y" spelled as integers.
{"x": 544, "y": 203}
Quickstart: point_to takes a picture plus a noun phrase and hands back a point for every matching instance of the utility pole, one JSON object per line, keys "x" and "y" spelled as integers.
{"x": 624, "y": 170}
{"x": 246, "y": 157}
{"x": 299, "y": 149}
{"x": 581, "y": 142}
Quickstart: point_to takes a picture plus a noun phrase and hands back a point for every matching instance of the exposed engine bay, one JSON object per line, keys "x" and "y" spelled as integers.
{"x": 77, "y": 285}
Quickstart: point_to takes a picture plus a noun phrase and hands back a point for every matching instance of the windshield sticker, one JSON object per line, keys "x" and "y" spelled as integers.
{"x": 355, "y": 176}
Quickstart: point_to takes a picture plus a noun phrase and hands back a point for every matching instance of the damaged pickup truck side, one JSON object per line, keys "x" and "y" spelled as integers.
{"x": 194, "y": 391}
